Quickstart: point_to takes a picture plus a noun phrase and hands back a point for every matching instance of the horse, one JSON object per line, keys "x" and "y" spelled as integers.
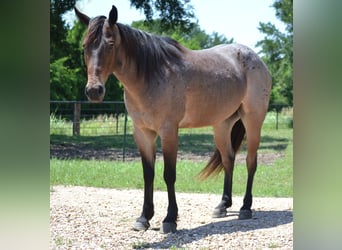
{"x": 167, "y": 87}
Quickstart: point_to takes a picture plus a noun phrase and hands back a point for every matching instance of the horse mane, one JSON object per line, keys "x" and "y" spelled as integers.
{"x": 152, "y": 54}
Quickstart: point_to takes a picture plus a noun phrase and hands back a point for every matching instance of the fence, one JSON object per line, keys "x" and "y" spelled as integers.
{"x": 66, "y": 113}
{"x": 82, "y": 118}
{"x": 66, "y": 117}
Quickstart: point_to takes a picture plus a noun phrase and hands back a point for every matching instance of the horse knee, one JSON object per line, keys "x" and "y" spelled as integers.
{"x": 169, "y": 176}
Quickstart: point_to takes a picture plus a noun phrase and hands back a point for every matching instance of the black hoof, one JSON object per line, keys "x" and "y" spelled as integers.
{"x": 219, "y": 213}
{"x": 168, "y": 227}
{"x": 141, "y": 225}
{"x": 245, "y": 214}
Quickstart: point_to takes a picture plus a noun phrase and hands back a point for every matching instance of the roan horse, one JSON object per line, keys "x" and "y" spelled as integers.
{"x": 167, "y": 87}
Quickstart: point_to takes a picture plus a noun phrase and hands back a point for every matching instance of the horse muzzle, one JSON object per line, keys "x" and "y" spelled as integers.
{"x": 95, "y": 93}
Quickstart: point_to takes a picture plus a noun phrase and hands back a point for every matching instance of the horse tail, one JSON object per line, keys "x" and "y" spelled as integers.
{"x": 214, "y": 165}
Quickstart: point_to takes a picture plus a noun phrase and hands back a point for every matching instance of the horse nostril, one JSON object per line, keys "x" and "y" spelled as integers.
{"x": 101, "y": 90}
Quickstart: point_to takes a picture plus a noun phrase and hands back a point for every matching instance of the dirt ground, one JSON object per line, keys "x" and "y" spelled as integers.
{"x": 100, "y": 218}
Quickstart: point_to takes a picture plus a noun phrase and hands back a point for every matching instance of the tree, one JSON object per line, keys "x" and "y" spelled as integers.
{"x": 58, "y": 28}
{"x": 276, "y": 51}
{"x": 172, "y": 13}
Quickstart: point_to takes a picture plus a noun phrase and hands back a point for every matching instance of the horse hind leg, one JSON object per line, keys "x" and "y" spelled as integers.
{"x": 228, "y": 137}
{"x": 253, "y": 124}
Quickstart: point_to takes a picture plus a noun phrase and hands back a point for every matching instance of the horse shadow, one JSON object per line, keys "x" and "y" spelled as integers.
{"x": 260, "y": 220}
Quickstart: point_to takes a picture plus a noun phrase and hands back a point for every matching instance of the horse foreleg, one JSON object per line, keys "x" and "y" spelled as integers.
{"x": 145, "y": 140}
{"x": 170, "y": 146}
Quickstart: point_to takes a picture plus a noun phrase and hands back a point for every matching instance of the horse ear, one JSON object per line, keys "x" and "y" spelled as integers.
{"x": 113, "y": 16}
{"x": 82, "y": 17}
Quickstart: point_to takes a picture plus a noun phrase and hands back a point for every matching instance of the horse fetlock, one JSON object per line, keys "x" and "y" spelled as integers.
{"x": 168, "y": 227}
{"x": 141, "y": 224}
{"x": 245, "y": 214}
{"x": 219, "y": 212}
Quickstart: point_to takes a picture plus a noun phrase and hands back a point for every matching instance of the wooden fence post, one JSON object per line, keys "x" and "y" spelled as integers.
{"x": 124, "y": 138}
{"x": 77, "y": 119}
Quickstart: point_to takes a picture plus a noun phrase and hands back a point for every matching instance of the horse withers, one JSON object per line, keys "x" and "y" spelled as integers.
{"x": 167, "y": 87}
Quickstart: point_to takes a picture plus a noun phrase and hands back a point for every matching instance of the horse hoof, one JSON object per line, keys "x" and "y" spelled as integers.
{"x": 141, "y": 225}
{"x": 245, "y": 214}
{"x": 219, "y": 213}
{"x": 168, "y": 227}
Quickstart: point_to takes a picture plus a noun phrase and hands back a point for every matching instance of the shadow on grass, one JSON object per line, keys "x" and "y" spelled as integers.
{"x": 111, "y": 146}
{"x": 261, "y": 220}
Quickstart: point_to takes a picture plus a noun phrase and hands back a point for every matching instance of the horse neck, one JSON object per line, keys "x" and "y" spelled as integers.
{"x": 126, "y": 73}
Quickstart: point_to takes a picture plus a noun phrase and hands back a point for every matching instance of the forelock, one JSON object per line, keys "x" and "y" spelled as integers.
{"x": 94, "y": 34}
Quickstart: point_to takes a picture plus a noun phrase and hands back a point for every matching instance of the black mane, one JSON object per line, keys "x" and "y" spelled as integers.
{"x": 152, "y": 54}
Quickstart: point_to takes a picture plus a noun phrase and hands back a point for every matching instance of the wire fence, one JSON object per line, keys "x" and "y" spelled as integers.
{"x": 83, "y": 119}
{"x": 110, "y": 117}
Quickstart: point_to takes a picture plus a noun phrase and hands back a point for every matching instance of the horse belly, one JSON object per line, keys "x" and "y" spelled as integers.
{"x": 202, "y": 113}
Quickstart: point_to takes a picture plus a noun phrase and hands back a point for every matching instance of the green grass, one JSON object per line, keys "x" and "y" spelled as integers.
{"x": 270, "y": 181}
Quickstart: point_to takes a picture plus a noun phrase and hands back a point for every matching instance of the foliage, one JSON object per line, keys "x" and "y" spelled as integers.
{"x": 276, "y": 50}
{"x": 58, "y": 28}
{"x": 173, "y": 14}
{"x": 63, "y": 80}
{"x": 64, "y": 75}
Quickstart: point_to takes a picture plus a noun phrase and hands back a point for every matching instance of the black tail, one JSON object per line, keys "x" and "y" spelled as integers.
{"x": 214, "y": 165}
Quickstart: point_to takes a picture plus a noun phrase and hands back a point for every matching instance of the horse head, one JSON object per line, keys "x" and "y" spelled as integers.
{"x": 100, "y": 46}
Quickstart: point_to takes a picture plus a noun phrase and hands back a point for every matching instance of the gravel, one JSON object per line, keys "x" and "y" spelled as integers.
{"x": 99, "y": 218}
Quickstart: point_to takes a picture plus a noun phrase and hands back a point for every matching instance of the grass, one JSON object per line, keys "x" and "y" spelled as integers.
{"x": 270, "y": 181}
{"x": 274, "y": 180}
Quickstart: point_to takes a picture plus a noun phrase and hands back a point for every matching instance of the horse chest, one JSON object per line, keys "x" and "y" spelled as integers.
{"x": 144, "y": 114}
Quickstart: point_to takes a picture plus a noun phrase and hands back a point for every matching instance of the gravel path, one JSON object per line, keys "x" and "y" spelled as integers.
{"x": 97, "y": 218}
